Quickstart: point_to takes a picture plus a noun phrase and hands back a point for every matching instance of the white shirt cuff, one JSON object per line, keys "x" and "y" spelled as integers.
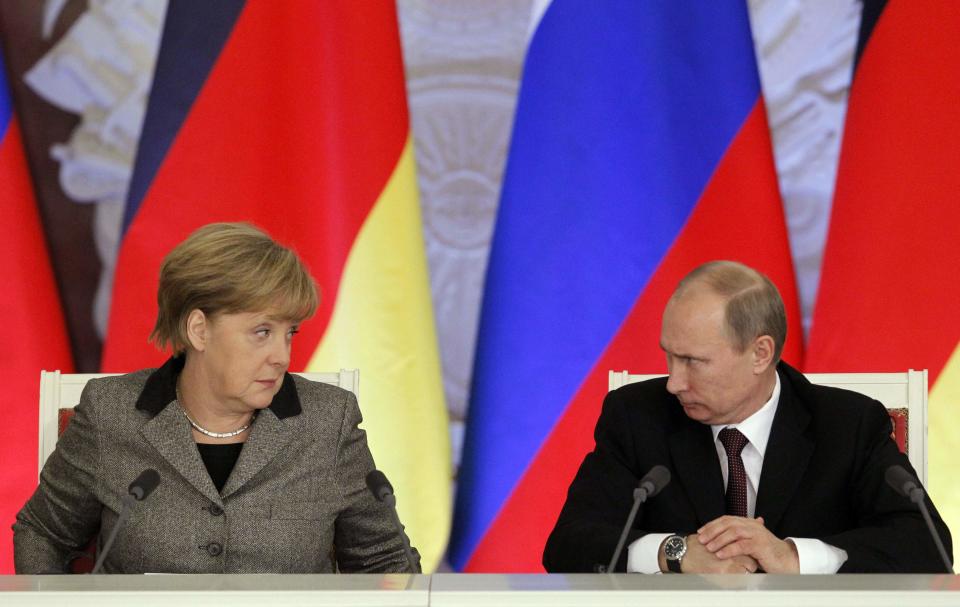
{"x": 643, "y": 554}
{"x": 818, "y": 557}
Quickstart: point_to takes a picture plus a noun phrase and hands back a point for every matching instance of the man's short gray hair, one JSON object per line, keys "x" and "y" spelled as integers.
{"x": 754, "y": 306}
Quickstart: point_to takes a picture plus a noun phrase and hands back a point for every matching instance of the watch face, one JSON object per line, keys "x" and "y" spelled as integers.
{"x": 675, "y": 547}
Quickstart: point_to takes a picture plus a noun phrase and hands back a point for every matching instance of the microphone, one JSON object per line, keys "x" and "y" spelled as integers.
{"x": 143, "y": 485}
{"x": 906, "y": 485}
{"x": 139, "y": 490}
{"x": 654, "y": 482}
{"x": 381, "y": 489}
{"x": 651, "y": 484}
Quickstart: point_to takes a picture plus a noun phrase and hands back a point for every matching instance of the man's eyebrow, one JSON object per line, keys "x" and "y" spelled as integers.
{"x": 668, "y": 351}
{"x": 681, "y": 355}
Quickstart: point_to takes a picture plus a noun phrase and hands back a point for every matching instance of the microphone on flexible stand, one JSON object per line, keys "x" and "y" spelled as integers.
{"x": 381, "y": 489}
{"x": 139, "y": 490}
{"x": 655, "y": 480}
{"x": 905, "y": 484}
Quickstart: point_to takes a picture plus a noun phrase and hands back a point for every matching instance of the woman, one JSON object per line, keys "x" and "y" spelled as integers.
{"x": 261, "y": 471}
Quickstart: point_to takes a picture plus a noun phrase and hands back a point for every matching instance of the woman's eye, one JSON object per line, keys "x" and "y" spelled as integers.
{"x": 262, "y": 332}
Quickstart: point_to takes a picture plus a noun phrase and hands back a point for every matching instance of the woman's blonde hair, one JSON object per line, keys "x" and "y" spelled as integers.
{"x": 229, "y": 268}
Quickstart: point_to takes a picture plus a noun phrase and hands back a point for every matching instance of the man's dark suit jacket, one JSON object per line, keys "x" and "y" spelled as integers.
{"x": 822, "y": 477}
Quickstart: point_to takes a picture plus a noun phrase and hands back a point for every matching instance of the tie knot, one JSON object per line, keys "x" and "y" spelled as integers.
{"x": 733, "y": 441}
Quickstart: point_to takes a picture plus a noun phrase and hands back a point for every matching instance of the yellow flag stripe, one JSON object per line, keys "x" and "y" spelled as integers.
{"x": 944, "y": 445}
{"x": 382, "y": 324}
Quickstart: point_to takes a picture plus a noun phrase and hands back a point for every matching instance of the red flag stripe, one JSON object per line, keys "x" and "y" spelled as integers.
{"x": 888, "y": 292}
{"x": 297, "y": 129}
{"x": 35, "y": 336}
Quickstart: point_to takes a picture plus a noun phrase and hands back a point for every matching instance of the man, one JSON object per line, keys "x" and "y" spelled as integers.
{"x": 802, "y": 489}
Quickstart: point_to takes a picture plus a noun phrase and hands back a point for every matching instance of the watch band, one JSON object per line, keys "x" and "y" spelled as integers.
{"x": 674, "y": 565}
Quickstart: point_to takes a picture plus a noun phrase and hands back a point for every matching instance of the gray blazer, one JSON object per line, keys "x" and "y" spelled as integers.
{"x": 296, "y": 501}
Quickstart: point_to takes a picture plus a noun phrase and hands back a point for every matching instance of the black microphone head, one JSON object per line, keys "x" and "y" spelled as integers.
{"x": 378, "y": 484}
{"x": 902, "y": 481}
{"x": 656, "y": 480}
{"x": 143, "y": 485}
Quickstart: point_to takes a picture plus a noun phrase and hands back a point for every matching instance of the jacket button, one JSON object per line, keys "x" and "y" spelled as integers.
{"x": 213, "y": 549}
{"x": 215, "y": 510}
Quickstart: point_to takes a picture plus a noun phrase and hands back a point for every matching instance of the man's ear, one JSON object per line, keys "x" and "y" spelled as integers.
{"x": 763, "y": 349}
{"x": 197, "y": 329}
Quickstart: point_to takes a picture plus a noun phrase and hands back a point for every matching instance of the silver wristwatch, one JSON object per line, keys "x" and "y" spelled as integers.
{"x": 674, "y": 547}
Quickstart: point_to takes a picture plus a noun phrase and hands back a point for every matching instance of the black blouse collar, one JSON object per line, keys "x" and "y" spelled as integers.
{"x": 161, "y": 388}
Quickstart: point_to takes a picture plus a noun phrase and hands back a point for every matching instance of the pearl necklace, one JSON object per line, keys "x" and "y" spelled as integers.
{"x": 211, "y": 433}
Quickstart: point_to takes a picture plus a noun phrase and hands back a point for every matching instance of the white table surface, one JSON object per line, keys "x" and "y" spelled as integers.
{"x": 704, "y": 591}
{"x": 210, "y": 590}
{"x": 439, "y": 590}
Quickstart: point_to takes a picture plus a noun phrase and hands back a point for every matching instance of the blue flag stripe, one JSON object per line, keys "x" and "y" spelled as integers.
{"x": 193, "y": 36}
{"x": 623, "y": 115}
{"x": 6, "y": 99}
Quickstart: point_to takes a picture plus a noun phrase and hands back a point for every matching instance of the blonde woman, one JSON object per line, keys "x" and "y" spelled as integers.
{"x": 261, "y": 471}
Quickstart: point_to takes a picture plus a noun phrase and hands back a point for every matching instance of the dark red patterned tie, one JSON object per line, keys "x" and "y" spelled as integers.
{"x": 734, "y": 442}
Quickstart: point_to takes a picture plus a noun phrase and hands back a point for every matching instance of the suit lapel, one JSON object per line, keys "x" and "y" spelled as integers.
{"x": 169, "y": 433}
{"x": 698, "y": 470}
{"x": 268, "y": 438}
{"x": 787, "y": 456}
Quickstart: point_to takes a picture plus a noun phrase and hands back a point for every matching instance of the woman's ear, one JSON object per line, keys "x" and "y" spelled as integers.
{"x": 197, "y": 329}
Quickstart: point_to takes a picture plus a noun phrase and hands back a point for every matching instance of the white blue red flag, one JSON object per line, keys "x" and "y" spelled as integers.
{"x": 35, "y": 336}
{"x": 640, "y": 150}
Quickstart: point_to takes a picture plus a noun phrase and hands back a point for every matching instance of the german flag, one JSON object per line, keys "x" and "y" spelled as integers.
{"x": 292, "y": 115}
{"x": 889, "y": 294}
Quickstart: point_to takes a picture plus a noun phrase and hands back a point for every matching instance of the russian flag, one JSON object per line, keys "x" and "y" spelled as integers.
{"x": 640, "y": 150}
{"x": 35, "y": 336}
{"x": 888, "y": 296}
{"x": 293, "y": 115}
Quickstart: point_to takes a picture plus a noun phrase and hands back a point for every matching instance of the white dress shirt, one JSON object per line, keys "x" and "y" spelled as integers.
{"x": 815, "y": 556}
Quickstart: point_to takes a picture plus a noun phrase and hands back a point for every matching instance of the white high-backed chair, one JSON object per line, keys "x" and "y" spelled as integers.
{"x": 904, "y": 393}
{"x": 62, "y": 391}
